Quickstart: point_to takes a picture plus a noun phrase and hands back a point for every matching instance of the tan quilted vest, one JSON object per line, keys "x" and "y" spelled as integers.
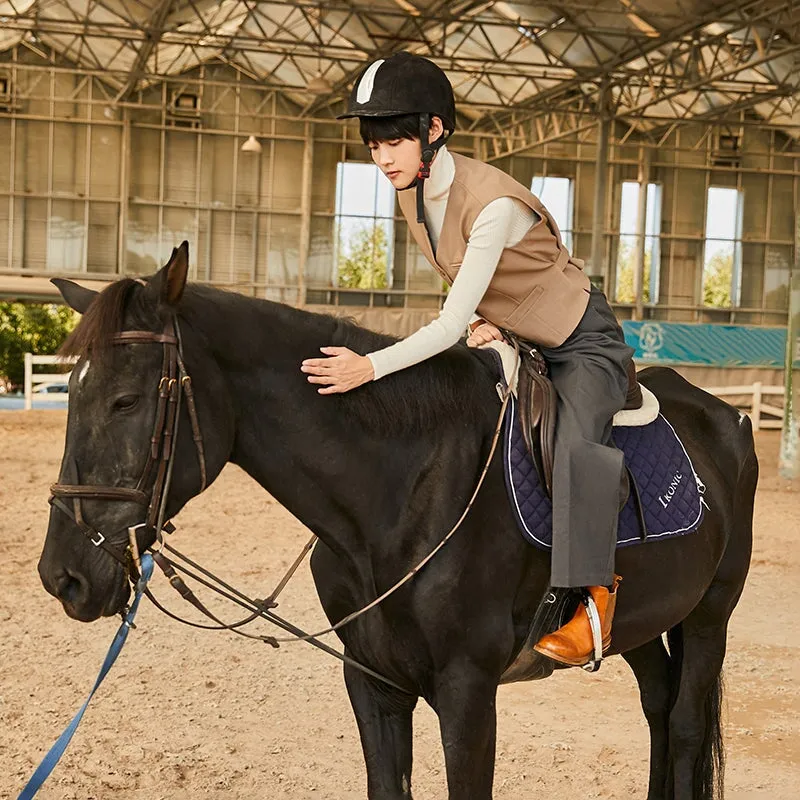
{"x": 538, "y": 291}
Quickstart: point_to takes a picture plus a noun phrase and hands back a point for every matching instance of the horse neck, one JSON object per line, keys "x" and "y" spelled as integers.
{"x": 289, "y": 438}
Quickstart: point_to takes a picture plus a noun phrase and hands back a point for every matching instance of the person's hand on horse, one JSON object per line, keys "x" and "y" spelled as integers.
{"x": 342, "y": 371}
{"x": 483, "y": 334}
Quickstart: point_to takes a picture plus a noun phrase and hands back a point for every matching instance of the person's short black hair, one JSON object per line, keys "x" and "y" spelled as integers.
{"x": 388, "y": 129}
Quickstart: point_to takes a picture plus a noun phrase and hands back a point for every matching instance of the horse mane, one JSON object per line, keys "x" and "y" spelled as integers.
{"x": 452, "y": 388}
{"x": 100, "y": 322}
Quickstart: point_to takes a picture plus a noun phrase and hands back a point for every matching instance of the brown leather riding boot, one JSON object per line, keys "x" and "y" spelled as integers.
{"x": 572, "y": 643}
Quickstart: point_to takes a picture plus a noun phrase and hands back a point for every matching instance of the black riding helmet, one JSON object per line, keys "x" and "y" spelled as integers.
{"x": 407, "y": 84}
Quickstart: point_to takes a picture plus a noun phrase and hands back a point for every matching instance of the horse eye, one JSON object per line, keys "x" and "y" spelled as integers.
{"x": 126, "y": 403}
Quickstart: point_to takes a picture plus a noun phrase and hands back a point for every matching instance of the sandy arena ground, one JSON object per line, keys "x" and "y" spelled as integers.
{"x": 188, "y": 714}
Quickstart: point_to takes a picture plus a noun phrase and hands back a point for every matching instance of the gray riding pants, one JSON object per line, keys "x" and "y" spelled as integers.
{"x": 589, "y": 375}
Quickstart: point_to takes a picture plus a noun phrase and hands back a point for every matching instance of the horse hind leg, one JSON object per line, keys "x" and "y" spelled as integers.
{"x": 384, "y": 719}
{"x": 698, "y": 645}
{"x": 654, "y": 671}
{"x": 695, "y": 734}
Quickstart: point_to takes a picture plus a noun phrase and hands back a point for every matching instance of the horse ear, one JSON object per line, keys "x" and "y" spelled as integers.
{"x": 170, "y": 280}
{"x": 75, "y": 296}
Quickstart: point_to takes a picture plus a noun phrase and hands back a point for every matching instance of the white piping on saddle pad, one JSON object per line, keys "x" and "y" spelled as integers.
{"x": 630, "y": 419}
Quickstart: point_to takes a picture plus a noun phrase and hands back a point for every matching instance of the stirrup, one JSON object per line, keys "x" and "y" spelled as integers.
{"x": 597, "y": 635}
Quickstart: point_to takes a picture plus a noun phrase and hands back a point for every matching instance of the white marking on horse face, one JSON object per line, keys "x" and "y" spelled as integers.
{"x": 84, "y": 370}
{"x": 367, "y": 83}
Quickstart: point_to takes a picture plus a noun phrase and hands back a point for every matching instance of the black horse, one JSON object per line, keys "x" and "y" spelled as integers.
{"x": 380, "y": 474}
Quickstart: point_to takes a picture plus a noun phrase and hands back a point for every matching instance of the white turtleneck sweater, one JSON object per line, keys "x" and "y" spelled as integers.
{"x": 501, "y": 224}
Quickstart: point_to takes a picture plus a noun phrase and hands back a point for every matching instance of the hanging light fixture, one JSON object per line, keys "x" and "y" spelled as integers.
{"x": 319, "y": 84}
{"x": 252, "y": 145}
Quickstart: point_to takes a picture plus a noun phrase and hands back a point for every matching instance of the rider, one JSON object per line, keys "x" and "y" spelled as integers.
{"x": 501, "y": 252}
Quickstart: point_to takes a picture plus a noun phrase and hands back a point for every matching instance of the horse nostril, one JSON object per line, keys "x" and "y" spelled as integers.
{"x": 67, "y": 587}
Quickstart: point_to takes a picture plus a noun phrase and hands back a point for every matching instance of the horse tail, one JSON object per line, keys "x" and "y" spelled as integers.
{"x": 711, "y": 760}
{"x": 711, "y": 764}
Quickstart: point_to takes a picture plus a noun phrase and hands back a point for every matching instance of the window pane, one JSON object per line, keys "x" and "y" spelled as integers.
{"x": 67, "y": 236}
{"x": 630, "y": 207}
{"x": 102, "y": 239}
{"x": 721, "y": 213}
{"x": 143, "y": 254}
{"x": 628, "y": 243}
{"x": 363, "y": 253}
{"x": 364, "y": 227}
{"x": 556, "y": 195}
{"x": 777, "y": 276}
{"x": 653, "y": 224}
{"x": 722, "y": 255}
{"x": 362, "y": 191}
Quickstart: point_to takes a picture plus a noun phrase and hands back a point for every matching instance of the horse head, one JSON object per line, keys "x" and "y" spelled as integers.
{"x": 118, "y": 440}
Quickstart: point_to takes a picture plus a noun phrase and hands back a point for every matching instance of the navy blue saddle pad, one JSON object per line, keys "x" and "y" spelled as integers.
{"x": 671, "y": 492}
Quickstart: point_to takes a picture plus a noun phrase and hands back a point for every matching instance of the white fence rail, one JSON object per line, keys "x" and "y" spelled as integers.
{"x": 762, "y": 414}
{"x": 34, "y": 379}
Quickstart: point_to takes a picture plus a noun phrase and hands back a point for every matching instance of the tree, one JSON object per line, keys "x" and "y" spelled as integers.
{"x": 364, "y": 263}
{"x": 718, "y": 280}
{"x": 33, "y": 328}
{"x": 626, "y": 269}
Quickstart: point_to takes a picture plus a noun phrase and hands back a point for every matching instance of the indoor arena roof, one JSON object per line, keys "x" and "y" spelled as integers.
{"x": 549, "y": 66}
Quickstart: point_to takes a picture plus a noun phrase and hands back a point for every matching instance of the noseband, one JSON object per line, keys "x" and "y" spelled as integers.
{"x": 174, "y": 385}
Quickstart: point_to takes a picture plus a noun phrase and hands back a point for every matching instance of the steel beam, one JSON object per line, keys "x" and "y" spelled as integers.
{"x": 597, "y": 265}
{"x": 391, "y": 44}
{"x": 651, "y": 62}
{"x": 765, "y": 10}
{"x": 641, "y": 235}
{"x": 307, "y": 185}
{"x": 789, "y": 459}
{"x": 153, "y": 31}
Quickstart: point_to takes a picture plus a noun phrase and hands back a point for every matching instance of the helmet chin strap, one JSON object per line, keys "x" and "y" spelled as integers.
{"x": 428, "y": 152}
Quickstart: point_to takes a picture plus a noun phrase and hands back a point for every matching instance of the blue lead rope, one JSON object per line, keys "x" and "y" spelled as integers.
{"x": 57, "y": 750}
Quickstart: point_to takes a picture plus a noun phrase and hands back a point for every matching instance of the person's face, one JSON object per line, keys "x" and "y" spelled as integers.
{"x": 399, "y": 158}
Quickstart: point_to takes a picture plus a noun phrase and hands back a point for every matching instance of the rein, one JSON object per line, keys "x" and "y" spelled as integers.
{"x": 414, "y": 570}
{"x": 174, "y": 385}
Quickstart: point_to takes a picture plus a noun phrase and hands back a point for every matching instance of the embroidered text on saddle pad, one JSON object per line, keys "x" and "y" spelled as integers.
{"x": 669, "y": 488}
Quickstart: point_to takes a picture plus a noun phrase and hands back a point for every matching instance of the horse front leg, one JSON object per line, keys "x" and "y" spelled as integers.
{"x": 465, "y": 704}
{"x": 384, "y": 719}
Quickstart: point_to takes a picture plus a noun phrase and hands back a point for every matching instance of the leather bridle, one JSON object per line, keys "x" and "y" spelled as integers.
{"x": 173, "y": 386}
